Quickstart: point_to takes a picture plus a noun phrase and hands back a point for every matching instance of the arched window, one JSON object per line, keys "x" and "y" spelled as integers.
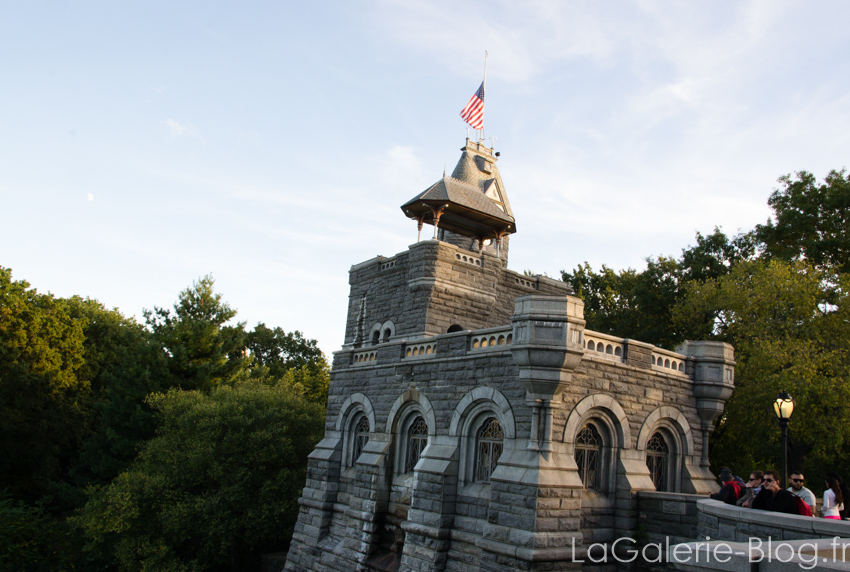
{"x": 417, "y": 438}
{"x": 376, "y": 337}
{"x": 588, "y": 456}
{"x": 489, "y": 443}
{"x": 454, "y": 328}
{"x": 658, "y": 460}
{"x": 360, "y": 436}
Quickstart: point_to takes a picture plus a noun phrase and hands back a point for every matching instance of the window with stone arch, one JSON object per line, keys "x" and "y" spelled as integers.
{"x": 359, "y": 436}
{"x": 588, "y": 456}
{"x": 417, "y": 439}
{"x": 489, "y": 444}
{"x": 658, "y": 461}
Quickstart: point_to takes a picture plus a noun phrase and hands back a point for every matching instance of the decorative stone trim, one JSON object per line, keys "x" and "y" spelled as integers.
{"x": 676, "y": 417}
{"x": 421, "y": 350}
{"x": 363, "y": 358}
{"x": 604, "y": 346}
{"x": 413, "y": 396}
{"x": 492, "y": 340}
{"x": 468, "y": 259}
{"x": 665, "y": 361}
{"x": 502, "y": 409}
{"x": 606, "y": 403}
{"x": 353, "y": 401}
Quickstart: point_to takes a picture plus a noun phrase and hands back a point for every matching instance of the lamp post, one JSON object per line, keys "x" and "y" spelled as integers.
{"x": 784, "y": 407}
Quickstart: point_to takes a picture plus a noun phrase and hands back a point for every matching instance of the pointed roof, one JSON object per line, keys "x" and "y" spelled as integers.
{"x": 472, "y": 202}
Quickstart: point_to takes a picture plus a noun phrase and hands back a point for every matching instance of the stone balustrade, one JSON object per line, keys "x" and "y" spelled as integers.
{"x": 492, "y": 338}
{"x": 603, "y": 345}
{"x": 666, "y": 361}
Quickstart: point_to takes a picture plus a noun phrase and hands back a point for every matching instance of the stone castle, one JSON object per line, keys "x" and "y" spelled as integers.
{"x": 473, "y": 422}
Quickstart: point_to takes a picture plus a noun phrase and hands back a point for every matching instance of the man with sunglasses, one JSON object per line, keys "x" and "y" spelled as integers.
{"x": 798, "y": 489}
{"x": 773, "y": 497}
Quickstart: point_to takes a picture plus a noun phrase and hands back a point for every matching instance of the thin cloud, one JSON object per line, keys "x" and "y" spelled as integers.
{"x": 178, "y": 130}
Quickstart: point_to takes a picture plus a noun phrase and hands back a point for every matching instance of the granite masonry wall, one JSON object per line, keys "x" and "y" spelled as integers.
{"x": 520, "y": 356}
{"x": 720, "y": 521}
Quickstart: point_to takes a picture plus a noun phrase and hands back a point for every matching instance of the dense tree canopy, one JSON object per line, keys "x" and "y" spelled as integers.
{"x": 785, "y": 338}
{"x": 215, "y": 487}
{"x": 45, "y": 400}
{"x": 76, "y": 409}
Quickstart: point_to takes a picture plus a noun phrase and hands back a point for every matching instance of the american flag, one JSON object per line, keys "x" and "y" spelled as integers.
{"x": 473, "y": 113}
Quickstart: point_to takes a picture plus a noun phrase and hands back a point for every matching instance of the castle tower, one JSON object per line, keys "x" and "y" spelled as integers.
{"x": 473, "y": 423}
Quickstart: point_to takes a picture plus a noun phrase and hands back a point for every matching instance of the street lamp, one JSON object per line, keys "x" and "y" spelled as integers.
{"x": 784, "y": 407}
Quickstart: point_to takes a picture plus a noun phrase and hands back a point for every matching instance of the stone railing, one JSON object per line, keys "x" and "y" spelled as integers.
{"x": 420, "y": 350}
{"x": 720, "y": 521}
{"x": 668, "y": 362}
{"x": 734, "y": 538}
{"x": 603, "y": 345}
{"x": 493, "y": 338}
{"x": 668, "y": 516}
{"x": 469, "y": 259}
{"x": 364, "y": 357}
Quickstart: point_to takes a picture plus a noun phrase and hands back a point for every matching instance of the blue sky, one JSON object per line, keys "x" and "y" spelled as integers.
{"x": 145, "y": 144}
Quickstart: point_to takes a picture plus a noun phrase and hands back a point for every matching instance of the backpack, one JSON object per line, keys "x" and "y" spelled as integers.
{"x": 803, "y": 509}
{"x": 737, "y": 488}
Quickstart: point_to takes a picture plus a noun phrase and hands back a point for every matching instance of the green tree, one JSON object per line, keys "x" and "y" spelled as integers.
{"x": 785, "y": 337}
{"x": 279, "y": 351}
{"x": 204, "y": 352}
{"x": 810, "y": 221}
{"x": 311, "y": 380}
{"x": 216, "y": 487}
{"x": 45, "y": 407}
{"x": 33, "y": 540}
{"x": 639, "y": 304}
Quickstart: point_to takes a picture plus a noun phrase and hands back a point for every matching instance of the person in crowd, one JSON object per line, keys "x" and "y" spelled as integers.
{"x": 845, "y": 492}
{"x": 833, "y": 499}
{"x": 751, "y": 489}
{"x": 796, "y": 481}
{"x": 773, "y": 497}
{"x": 730, "y": 491}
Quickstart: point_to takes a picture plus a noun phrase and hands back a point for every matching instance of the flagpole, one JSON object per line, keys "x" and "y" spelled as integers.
{"x": 484, "y": 83}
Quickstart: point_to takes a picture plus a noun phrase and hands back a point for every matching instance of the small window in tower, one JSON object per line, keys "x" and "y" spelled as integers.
{"x": 454, "y": 328}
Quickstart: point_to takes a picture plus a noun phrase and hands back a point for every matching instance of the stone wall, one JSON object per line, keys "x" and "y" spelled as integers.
{"x": 435, "y": 285}
{"x": 668, "y": 516}
{"x": 720, "y": 521}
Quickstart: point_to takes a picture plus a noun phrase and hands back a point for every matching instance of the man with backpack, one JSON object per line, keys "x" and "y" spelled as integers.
{"x": 730, "y": 490}
{"x": 774, "y": 498}
{"x": 797, "y": 488}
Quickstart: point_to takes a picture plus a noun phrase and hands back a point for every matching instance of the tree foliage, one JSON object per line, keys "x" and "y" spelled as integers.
{"x": 786, "y": 338}
{"x": 810, "y": 221}
{"x": 45, "y": 406}
{"x": 216, "y": 486}
{"x": 203, "y": 350}
{"x": 639, "y": 304}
